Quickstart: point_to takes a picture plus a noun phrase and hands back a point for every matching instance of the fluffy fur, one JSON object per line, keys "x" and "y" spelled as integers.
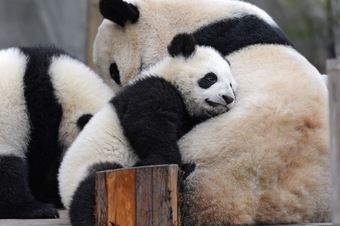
{"x": 143, "y": 122}
{"x": 266, "y": 161}
{"x": 44, "y": 92}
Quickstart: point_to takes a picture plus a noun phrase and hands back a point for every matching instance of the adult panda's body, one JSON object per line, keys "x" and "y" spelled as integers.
{"x": 142, "y": 123}
{"x": 46, "y": 99}
{"x": 265, "y": 162}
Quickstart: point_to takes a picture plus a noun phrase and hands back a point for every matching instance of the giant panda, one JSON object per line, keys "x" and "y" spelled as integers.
{"x": 264, "y": 162}
{"x": 47, "y": 97}
{"x": 143, "y": 122}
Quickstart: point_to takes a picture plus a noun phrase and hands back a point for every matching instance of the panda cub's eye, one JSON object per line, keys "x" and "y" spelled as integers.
{"x": 207, "y": 81}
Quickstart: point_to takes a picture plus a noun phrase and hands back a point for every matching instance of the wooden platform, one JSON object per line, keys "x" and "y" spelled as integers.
{"x": 63, "y": 220}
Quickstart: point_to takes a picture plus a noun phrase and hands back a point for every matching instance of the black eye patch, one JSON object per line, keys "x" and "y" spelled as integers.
{"x": 114, "y": 72}
{"x": 83, "y": 120}
{"x": 207, "y": 81}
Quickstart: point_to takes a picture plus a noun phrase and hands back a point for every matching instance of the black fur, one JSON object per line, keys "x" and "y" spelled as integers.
{"x": 114, "y": 72}
{"x": 34, "y": 179}
{"x": 14, "y": 186}
{"x": 182, "y": 45}
{"x": 188, "y": 169}
{"x": 154, "y": 117}
{"x": 44, "y": 111}
{"x": 83, "y": 120}
{"x": 228, "y": 36}
{"x": 119, "y": 11}
{"x": 82, "y": 209}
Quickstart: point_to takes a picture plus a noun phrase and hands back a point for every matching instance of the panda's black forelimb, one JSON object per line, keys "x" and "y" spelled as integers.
{"x": 153, "y": 116}
{"x": 17, "y": 200}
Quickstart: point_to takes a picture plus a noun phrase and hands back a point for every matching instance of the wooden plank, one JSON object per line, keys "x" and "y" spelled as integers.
{"x": 333, "y": 71}
{"x": 94, "y": 20}
{"x": 62, "y": 221}
{"x": 101, "y": 212}
{"x": 144, "y": 212}
{"x": 141, "y": 196}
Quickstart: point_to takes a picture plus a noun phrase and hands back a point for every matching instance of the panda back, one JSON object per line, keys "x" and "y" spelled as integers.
{"x": 31, "y": 104}
{"x": 42, "y": 106}
{"x": 14, "y": 118}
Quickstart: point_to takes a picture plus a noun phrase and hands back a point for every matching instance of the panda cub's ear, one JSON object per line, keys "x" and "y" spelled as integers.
{"x": 182, "y": 45}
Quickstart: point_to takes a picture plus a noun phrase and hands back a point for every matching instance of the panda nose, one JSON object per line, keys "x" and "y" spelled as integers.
{"x": 227, "y": 99}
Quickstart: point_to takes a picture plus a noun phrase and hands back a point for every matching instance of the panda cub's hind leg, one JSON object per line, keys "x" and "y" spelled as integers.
{"x": 16, "y": 199}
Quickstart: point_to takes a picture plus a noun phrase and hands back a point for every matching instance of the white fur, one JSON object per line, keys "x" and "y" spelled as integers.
{"x": 268, "y": 162}
{"x": 79, "y": 90}
{"x": 102, "y": 140}
{"x": 14, "y": 121}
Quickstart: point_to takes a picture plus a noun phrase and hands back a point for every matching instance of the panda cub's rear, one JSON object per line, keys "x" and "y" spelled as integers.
{"x": 142, "y": 123}
{"x": 192, "y": 84}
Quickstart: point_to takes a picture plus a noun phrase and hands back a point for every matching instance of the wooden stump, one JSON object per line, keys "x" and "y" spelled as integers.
{"x": 141, "y": 196}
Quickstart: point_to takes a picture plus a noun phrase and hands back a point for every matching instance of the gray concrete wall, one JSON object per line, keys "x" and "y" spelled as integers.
{"x": 32, "y": 22}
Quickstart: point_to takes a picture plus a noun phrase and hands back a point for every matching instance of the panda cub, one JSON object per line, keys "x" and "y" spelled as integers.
{"x": 142, "y": 123}
{"x": 46, "y": 98}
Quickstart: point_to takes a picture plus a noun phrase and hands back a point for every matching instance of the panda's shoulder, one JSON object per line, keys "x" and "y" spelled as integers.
{"x": 148, "y": 93}
{"x": 151, "y": 86}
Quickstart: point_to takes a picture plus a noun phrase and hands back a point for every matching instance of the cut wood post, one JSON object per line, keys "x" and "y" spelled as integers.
{"x": 333, "y": 71}
{"x": 141, "y": 196}
{"x": 94, "y": 19}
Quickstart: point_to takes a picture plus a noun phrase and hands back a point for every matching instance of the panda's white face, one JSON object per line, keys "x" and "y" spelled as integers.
{"x": 214, "y": 92}
{"x": 200, "y": 73}
{"x": 211, "y": 90}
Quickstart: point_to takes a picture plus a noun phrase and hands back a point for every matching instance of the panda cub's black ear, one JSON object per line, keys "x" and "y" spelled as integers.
{"x": 182, "y": 45}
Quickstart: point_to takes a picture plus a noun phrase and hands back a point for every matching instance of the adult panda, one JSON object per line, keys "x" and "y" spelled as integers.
{"x": 265, "y": 162}
{"x": 142, "y": 123}
{"x": 46, "y": 98}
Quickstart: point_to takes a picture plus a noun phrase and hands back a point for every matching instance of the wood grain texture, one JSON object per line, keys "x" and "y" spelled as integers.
{"x": 141, "y": 196}
{"x": 101, "y": 198}
{"x": 94, "y": 19}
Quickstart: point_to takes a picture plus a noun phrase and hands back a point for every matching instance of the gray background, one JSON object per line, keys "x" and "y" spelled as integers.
{"x": 33, "y": 22}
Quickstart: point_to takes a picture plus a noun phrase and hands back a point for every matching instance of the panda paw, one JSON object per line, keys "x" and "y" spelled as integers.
{"x": 29, "y": 210}
{"x": 43, "y": 210}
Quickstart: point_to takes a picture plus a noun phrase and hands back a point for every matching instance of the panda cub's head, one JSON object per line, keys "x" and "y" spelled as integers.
{"x": 200, "y": 73}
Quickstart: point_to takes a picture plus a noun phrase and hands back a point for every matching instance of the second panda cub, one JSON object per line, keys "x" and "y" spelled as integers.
{"x": 192, "y": 84}
{"x": 142, "y": 123}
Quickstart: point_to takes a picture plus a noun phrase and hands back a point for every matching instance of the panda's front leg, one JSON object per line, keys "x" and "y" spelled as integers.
{"x": 16, "y": 199}
{"x": 154, "y": 140}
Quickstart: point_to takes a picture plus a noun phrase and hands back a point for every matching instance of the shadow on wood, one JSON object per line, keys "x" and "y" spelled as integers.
{"x": 141, "y": 196}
